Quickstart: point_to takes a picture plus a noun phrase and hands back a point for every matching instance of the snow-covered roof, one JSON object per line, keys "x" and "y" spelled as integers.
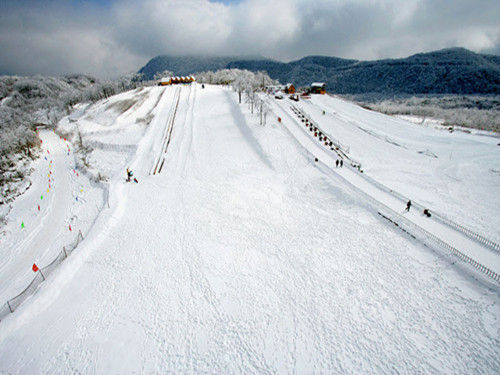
{"x": 165, "y": 79}
{"x": 318, "y": 84}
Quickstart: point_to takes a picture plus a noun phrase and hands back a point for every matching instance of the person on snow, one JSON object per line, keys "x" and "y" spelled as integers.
{"x": 408, "y": 205}
{"x": 129, "y": 174}
{"x": 337, "y": 163}
{"x": 341, "y": 163}
{"x": 427, "y": 213}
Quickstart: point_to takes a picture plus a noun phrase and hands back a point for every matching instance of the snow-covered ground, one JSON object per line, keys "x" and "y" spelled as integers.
{"x": 244, "y": 256}
{"x": 456, "y": 174}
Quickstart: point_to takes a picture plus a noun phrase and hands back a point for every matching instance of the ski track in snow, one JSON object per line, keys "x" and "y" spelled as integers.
{"x": 46, "y": 230}
{"x": 243, "y": 257}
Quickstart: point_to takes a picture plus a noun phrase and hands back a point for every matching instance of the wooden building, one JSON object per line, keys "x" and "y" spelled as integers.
{"x": 318, "y": 88}
{"x": 289, "y": 88}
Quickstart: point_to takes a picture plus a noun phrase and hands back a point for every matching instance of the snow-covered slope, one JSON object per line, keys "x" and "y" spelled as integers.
{"x": 457, "y": 174}
{"x": 245, "y": 256}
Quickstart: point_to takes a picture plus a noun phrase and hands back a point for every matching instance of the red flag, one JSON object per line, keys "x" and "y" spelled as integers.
{"x": 38, "y": 207}
{"x": 35, "y": 268}
{"x": 70, "y": 227}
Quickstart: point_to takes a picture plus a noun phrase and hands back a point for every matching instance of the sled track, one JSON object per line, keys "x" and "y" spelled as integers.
{"x": 160, "y": 160}
{"x": 398, "y": 220}
{"x": 483, "y": 240}
{"x": 479, "y": 238}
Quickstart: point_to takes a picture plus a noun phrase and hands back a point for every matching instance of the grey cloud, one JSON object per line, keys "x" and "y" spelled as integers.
{"x": 55, "y": 36}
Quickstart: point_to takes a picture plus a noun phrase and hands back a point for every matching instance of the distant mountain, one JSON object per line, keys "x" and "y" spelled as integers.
{"x": 448, "y": 71}
{"x": 184, "y": 65}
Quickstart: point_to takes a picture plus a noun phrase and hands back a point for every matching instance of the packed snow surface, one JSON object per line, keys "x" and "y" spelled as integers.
{"x": 457, "y": 174}
{"x": 244, "y": 256}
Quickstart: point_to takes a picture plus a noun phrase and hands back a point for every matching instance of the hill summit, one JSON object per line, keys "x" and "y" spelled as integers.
{"x": 447, "y": 71}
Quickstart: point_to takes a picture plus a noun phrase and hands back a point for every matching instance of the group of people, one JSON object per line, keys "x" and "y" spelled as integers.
{"x": 339, "y": 163}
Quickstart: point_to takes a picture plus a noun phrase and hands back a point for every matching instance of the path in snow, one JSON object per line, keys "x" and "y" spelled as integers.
{"x": 46, "y": 230}
{"x": 482, "y": 254}
{"x": 451, "y": 173}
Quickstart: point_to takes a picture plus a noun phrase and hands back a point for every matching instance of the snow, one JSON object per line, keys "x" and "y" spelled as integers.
{"x": 455, "y": 173}
{"x": 243, "y": 256}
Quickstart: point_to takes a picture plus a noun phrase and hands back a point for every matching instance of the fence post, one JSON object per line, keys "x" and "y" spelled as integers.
{"x": 65, "y": 253}
{"x": 10, "y": 308}
{"x": 43, "y": 277}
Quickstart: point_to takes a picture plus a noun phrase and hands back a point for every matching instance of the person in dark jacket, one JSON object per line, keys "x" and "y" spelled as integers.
{"x": 341, "y": 163}
{"x": 129, "y": 174}
{"x": 408, "y": 205}
{"x": 337, "y": 163}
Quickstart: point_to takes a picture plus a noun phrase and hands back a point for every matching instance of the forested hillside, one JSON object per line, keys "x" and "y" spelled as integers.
{"x": 29, "y": 102}
{"x": 448, "y": 71}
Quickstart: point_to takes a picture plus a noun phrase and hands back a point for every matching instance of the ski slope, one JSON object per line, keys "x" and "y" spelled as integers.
{"x": 471, "y": 248}
{"x": 37, "y": 235}
{"x": 456, "y": 174}
{"x": 242, "y": 255}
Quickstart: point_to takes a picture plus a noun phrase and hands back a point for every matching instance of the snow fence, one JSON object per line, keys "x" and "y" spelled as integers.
{"x": 342, "y": 151}
{"x": 428, "y": 238}
{"x": 443, "y": 219}
{"x": 12, "y": 304}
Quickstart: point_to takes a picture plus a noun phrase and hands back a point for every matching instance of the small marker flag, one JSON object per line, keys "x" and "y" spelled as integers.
{"x": 38, "y": 207}
{"x": 41, "y": 197}
{"x": 35, "y": 267}
{"x": 22, "y": 224}
{"x": 70, "y": 227}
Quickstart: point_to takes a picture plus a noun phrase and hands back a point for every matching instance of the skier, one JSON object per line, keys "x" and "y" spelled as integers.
{"x": 337, "y": 163}
{"x": 427, "y": 213}
{"x": 129, "y": 174}
{"x": 341, "y": 163}
{"x": 408, "y": 205}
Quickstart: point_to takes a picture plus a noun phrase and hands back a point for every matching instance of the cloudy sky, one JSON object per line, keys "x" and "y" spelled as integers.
{"x": 111, "y": 37}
